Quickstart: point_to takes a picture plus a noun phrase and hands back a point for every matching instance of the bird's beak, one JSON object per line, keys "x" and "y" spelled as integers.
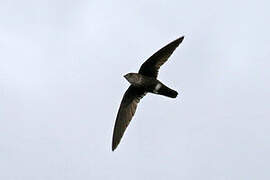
{"x": 125, "y": 76}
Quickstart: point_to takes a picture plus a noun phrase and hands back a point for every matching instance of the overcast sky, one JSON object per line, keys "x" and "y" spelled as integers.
{"x": 61, "y": 82}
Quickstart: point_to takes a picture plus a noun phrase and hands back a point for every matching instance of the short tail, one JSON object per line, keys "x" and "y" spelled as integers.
{"x": 164, "y": 90}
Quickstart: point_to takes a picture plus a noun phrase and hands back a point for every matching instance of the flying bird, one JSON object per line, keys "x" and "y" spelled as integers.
{"x": 141, "y": 83}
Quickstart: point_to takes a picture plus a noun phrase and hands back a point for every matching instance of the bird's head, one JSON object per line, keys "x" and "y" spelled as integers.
{"x": 132, "y": 78}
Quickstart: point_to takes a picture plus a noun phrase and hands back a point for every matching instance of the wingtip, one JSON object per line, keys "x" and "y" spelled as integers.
{"x": 181, "y": 39}
{"x": 114, "y": 146}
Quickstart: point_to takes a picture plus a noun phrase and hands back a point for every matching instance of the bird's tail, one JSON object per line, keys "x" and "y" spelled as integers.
{"x": 164, "y": 90}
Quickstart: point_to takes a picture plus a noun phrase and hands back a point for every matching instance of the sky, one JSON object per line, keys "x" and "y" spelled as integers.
{"x": 61, "y": 82}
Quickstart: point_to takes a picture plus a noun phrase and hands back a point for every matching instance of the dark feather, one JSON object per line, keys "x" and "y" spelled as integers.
{"x": 125, "y": 113}
{"x": 151, "y": 66}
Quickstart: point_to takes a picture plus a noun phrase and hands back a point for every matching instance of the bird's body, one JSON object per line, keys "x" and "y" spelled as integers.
{"x": 143, "y": 82}
{"x": 150, "y": 84}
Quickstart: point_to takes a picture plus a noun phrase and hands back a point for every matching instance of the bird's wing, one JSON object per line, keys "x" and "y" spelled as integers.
{"x": 151, "y": 66}
{"x": 125, "y": 113}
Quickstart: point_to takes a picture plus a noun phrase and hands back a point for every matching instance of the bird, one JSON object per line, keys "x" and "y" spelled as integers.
{"x": 141, "y": 83}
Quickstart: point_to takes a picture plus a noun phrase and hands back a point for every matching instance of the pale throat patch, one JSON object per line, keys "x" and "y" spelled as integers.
{"x": 158, "y": 86}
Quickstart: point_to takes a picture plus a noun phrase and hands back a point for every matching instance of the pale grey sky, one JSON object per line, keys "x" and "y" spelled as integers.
{"x": 61, "y": 83}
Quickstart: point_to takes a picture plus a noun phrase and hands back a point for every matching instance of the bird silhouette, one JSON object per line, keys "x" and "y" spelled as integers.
{"x": 141, "y": 83}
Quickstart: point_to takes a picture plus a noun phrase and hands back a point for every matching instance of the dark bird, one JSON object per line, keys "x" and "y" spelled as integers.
{"x": 141, "y": 83}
